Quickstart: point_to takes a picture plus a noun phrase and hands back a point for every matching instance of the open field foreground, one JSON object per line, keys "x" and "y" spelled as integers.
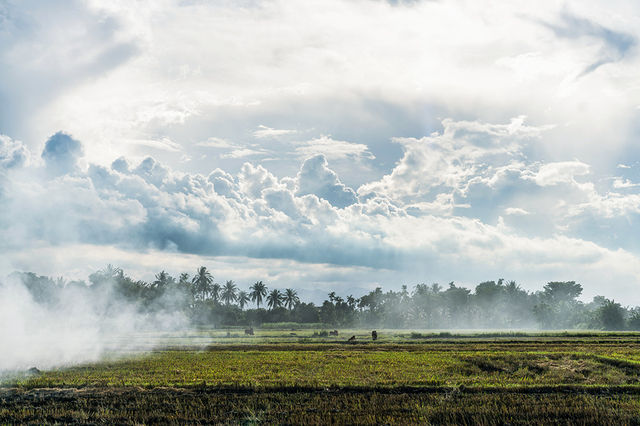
{"x": 402, "y": 378}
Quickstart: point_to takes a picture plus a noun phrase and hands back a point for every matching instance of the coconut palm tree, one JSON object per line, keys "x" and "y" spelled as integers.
{"x": 183, "y": 281}
{"x": 243, "y": 299}
{"x": 163, "y": 280}
{"x": 274, "y": 299}
{"x": 202, "y": 282}
{"x": 291, "y": 298}
{"x": 351, "y": 301}
{"x": 258, "y": 291}
{"x": 215, "y": 292}
{"x": 229, "y": 293}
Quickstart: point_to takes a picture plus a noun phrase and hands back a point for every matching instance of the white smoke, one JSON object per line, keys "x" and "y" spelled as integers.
{"x": 80, "y": 326}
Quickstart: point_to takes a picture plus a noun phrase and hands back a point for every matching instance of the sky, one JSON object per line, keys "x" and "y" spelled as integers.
{"x": 325, "y": 145}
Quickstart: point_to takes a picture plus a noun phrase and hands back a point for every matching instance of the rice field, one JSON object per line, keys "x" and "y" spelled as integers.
{"x": 404, "y": 377}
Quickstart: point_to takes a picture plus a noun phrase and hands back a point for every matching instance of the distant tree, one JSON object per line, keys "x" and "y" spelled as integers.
{"x": 229, "y": 293}
{"x": 305, "y": 312}
{"x": 544, "y": 314}
{"x": 274, "y": 299}
{"x": 558, "y": 306}
{"x": 215, "y": 292}
{"x": 43, "y": 289}
{"x": 109, "y": 274}
{"x": 427, "y": 306}
{"x": 258, "y": 291}
{"x": 404, "y": 294}
{"x": 163, "y": 280}
{"x": 184, "y": 282}
{"x": 562, "y": 291}
{"x": 611, "y": 316}
{"x": 371, "y": 301}
{"x": 634, "y": 319}
{"x": 202, "y": 282}
{"x": 291, "y": 298}
{"x": 185, "y": 289}
{"x": 456, "y": 301}
{"x": 243, "y": 299}
{"x": 351, "y": 301}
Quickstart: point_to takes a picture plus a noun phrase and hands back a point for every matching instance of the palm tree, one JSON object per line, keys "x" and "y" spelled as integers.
{"x": 291, "y": 298}
{"x": 163, "y": 280}
{"x": 215, "y": 292}
{"x": 186, "y": 288}
{"x": 243, "y": 299}
{"x": 351, "y": 301}
{"x": 184, "y": 282}
{"x": 111, "y": 272}
{"x": 274, "y": 299}
{"x": 258, "y": 291}
{"x": 202, "y": 282}
{"x": 229, "y": 293}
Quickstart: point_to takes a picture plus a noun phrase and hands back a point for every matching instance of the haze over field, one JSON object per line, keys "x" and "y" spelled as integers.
{"x": 324, "y": 145}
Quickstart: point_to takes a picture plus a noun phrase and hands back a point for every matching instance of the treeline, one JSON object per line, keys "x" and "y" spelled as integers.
{"x": 491, "y": 305}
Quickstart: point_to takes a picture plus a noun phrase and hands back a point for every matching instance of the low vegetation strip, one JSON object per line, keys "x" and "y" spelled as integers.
{"x": 131, "y": 405}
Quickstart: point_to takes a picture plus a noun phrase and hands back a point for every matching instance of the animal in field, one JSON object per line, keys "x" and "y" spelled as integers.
{"x": 333, "y": 333}
{"x": 248, "y": 331}
{"x": 374, "y": 335}
{"x": 352, "y": 339}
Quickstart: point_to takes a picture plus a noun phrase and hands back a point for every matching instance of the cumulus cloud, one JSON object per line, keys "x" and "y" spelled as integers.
{"x": 316, "y": 178}
{"x": 462, "y": 154}
{"x": 453, "y": 200}
{"x": 12, "y": 153}
{"x": 61, "y": 153}
{"x": 426, "y": 217}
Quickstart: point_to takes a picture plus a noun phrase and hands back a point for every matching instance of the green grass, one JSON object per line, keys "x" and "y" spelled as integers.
{"x": 441, "y": 378}
{"x": 353, "y": 367}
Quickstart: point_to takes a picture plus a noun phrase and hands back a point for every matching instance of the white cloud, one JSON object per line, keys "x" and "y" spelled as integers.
{"x": 244, "y": 152}
{"x": 164, "y": 144}
{"x": 268, "y": 132}
{"x": 316, "y": 178}
{"x": 334, "y": 149}
{"x": 315, "y": 219}
{"x": 214, "y": 142}
{"x": 483, "y": 62}
{"x": 620, "y": 183}
{"x": 560, "y": 172}
{"x": 516, "y": 211}
{"x": 12, "y": 153}
{"x": 131, "y": 81}
{"x": 451, "y": 160}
